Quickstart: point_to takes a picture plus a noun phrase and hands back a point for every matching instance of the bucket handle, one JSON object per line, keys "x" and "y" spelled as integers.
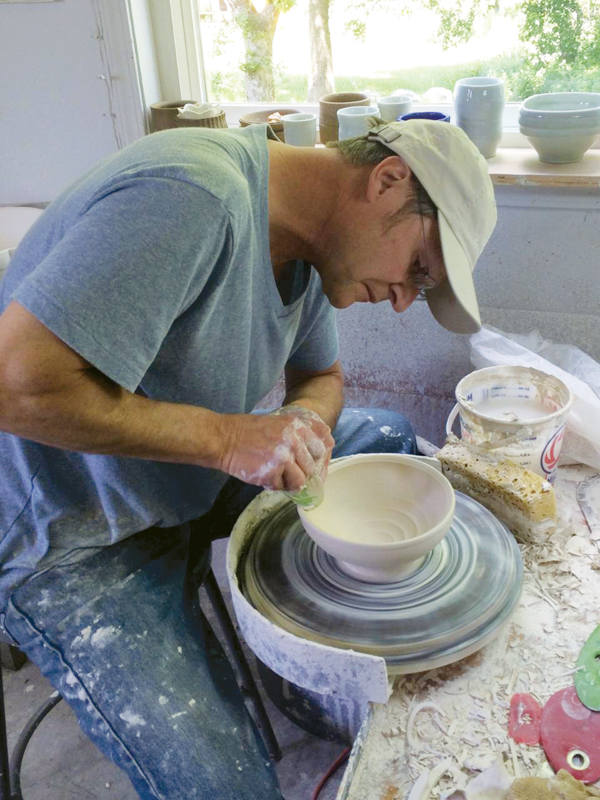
{"x": 451, "y": 418}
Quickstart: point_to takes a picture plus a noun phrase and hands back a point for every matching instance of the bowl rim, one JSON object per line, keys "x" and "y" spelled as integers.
{"x": 560, "y": 111}
{"x": 340, "y": 463}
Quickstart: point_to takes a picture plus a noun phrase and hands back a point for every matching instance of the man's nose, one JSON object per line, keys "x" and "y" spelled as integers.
{"x": 401, "y": 297}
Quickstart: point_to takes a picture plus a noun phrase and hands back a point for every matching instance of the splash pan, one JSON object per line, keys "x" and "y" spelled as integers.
{"x": 455, "y": 601}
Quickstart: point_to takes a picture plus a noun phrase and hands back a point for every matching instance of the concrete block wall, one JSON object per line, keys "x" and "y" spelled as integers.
{"x": 540, "y": 270}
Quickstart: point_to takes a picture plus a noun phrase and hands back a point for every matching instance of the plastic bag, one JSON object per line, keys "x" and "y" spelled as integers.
{"x": 492, "y": 347}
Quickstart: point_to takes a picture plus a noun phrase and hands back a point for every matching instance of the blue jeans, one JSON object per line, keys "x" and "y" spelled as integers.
{"x": 121, "y": 637}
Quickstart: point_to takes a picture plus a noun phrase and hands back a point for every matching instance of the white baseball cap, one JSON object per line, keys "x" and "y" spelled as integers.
{"x": 455, "y": 175}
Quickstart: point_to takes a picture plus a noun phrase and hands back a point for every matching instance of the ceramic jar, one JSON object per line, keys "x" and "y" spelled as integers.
{"x": 300, "y": 129}
{"x": 355, "y": 121}
{"x": 392, "y": 107}
{"x": 329, "y": 105}
{"x": 478, "y": 108}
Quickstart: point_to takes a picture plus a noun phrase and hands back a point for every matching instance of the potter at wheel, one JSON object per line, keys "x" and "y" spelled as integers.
{"x": 452, "y": 604}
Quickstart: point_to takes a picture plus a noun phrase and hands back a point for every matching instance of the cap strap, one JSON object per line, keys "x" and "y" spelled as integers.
{"x": 384, "y": 133}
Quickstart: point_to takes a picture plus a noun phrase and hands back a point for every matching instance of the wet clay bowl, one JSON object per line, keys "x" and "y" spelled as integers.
{"x": 381, "y": 514}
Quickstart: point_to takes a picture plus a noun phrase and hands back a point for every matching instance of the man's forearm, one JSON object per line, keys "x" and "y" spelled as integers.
{"x": 51, "y": 395}
{"x": 94, "y": 415}
{"x": 323, "y": 393}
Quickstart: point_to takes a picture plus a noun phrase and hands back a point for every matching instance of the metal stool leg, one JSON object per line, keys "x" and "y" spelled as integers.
{"x": 23, "y": 740}
{"x": 4, "y": 770}
{"x": 248, "y": 687}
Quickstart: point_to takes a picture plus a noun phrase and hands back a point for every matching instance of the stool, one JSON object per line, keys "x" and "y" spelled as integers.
{"x": 10, "y": 772}
{"x": 10, "y": 769}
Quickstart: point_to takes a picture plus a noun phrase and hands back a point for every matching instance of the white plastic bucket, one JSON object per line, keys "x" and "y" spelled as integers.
{"x": 518, "y": 413}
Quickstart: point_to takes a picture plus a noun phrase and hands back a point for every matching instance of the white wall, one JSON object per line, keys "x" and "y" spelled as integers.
{"x": 68, "y": 94}
{"x": 540, "y": 270}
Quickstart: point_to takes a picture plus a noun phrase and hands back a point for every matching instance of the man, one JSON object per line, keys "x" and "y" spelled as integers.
{"x": 145, "y": 315}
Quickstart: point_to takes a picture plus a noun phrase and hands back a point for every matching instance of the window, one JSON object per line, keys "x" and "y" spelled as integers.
{"x": 278, "y": 50}
{"x": 290, "y": 52}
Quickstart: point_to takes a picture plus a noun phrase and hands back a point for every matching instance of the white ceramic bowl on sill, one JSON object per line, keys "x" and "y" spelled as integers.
{"x": 561, "y": 126}
{"x": 561, "y": 110}
{"x": 561, "y": 147}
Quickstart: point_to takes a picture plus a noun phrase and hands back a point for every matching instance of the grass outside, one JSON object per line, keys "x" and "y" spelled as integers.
{"x": 521, "y": 80}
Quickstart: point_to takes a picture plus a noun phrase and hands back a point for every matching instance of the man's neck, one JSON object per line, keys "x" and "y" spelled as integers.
{"x": 303, "y": 191}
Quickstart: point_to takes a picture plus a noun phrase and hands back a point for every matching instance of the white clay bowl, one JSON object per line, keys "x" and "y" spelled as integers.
{"x": 561, "y": 110}
{"x": 381, "y": 514}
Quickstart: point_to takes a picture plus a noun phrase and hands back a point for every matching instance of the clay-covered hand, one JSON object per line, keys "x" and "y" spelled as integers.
{"x": 280, "y": 450}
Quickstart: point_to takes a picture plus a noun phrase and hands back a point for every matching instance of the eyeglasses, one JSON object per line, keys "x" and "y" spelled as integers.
{"x": 419, "y": 277}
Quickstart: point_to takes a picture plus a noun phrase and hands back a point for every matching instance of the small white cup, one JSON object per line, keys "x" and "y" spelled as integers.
{"x": 353, "y": 121}
{"x": 300, "y": 130}
{"x": 478, "y": 107}
{"x": 394, "y": 106}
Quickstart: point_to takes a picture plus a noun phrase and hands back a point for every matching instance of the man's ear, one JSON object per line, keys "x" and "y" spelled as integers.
{"x": 393, "y": 173}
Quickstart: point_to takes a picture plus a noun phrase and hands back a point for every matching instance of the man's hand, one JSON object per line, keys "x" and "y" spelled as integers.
{"x": 279, "y": 450}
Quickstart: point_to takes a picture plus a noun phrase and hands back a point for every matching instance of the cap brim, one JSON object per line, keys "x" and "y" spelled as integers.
{"x": 454, "y": 302}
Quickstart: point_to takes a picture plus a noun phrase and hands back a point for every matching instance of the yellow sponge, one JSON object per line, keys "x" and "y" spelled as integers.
{"x": 518, "y": 497}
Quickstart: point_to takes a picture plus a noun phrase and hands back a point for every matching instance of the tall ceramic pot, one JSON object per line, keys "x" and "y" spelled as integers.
{"x": 478, "y": 108}
{"x": 328, "y": 108}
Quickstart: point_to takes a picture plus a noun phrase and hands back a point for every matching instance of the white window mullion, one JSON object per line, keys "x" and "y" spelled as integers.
{"x": 188, "y": 48}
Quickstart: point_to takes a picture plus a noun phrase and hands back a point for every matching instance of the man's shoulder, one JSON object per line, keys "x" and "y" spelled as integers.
{"x": 228, "y": 164}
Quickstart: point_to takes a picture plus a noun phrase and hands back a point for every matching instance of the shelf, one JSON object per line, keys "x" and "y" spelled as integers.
{"x": 514, "y": 166}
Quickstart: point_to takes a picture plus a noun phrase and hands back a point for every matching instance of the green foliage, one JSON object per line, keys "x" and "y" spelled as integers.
{"x": 357, "y": 28}
{"x": 248, "y": 24}
{"x": 359, "y": 10}
{"x": 521, "y": 79}
{"x": 456, "y": 23}
{"x": 283, "y": 5}
{"x": 552, "y": 31}
{"x": 528, "y": 80}
{"x": 226, "y": 88}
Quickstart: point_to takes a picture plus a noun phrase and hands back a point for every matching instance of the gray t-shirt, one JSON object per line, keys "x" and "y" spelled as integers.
{"x": 154, "y": 267}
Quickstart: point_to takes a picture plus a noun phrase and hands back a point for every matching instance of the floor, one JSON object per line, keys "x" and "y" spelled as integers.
{"x": 62, "y": 764}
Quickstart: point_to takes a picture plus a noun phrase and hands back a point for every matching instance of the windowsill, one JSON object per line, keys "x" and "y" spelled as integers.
{"x": 513, "y": 165}
{"x": 516, "y": 166}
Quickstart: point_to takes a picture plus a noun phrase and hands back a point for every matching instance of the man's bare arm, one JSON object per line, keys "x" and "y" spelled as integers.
{"x": 51, "y": 395}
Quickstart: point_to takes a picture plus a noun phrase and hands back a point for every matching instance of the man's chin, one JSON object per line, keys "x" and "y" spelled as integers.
{"x": 341, "y": 303}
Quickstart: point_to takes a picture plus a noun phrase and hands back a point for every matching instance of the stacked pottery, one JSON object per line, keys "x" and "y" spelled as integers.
{"x": 166, "y": 115}
{"x": 561, "y": 125}
{"x": 478, "y": 108}
{"x": 329, "y": 105}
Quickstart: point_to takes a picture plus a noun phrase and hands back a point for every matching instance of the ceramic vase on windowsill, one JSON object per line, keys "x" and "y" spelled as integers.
{"x": 329, "y": 105}
{"x": 478, "y": 108}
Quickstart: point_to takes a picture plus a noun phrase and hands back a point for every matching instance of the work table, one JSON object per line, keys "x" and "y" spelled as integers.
{"x": 460, "y": 712}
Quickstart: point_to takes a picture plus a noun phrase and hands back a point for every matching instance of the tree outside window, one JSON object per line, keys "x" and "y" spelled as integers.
{"x": 288, "y": 51}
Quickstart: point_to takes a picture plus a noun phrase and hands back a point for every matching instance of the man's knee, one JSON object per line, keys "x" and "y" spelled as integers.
{"x": 373, "y": 430}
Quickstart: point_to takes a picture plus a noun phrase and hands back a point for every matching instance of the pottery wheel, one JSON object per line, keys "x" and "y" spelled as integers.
{"x": 451, "y": 605}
